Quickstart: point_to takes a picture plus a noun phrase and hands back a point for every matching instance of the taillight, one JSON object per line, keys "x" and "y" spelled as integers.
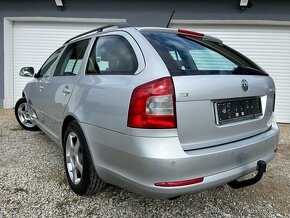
{"x": 152, "y": 105}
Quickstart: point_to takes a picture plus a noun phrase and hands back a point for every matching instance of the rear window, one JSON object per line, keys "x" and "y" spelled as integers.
{"x": 186, "y": 56}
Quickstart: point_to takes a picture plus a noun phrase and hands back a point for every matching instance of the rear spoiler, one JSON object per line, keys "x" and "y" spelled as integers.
{"x": 183, "y": 32}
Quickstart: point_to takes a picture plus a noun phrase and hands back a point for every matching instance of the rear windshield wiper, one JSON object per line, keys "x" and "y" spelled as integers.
{"x": 241, "y": 70}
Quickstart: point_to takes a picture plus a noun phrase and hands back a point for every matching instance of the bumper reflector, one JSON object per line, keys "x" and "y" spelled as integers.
{"x": 179, "y": 183}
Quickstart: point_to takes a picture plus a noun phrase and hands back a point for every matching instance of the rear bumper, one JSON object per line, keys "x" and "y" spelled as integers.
{"x": 137, "y": 163}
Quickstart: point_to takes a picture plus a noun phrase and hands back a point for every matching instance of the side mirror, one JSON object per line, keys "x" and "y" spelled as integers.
{"x": 27, "y": 72}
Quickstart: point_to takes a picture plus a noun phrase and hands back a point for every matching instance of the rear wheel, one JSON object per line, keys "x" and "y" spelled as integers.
{"x": 22, "y": 115}
{"x": 80, "y": 171}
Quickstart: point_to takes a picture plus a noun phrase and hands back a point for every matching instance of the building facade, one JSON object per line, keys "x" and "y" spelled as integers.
{"x": 31, "y": 30}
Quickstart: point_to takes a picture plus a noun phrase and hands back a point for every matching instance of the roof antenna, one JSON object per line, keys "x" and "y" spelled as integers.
{"x": 170, "y": 18}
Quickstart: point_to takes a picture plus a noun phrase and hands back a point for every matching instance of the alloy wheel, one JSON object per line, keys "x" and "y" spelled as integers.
{"x": 74, "y": 158}
{"x": 24, "y": 116}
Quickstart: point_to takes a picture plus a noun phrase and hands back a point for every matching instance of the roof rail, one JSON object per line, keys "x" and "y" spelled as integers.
{"x": 99, "y": 29}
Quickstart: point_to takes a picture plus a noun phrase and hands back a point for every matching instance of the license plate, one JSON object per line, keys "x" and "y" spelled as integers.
{"x": 234, "y": 110}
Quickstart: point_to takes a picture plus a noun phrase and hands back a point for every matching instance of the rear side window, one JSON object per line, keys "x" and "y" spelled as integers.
{"x": 112, "y": 55}
{"x": 185, "y": 56}
{"x": 71, "y": 59}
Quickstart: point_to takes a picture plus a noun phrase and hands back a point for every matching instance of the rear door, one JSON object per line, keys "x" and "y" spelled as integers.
{"x": 56, "y": 90}
{"x": 219, "y": 97}
{"x": 105, "y": 90}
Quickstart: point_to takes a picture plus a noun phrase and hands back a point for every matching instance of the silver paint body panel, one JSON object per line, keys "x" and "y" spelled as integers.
{"x": 135, "y": 159}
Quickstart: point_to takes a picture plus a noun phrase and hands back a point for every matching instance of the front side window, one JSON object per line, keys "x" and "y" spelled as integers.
{"x": 72, "y": 58}
{"x": 112, "y": 55}
{"x": 47, "y": 68}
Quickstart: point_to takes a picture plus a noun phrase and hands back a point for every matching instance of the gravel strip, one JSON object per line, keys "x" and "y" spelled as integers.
{"x": 33, "y": 184}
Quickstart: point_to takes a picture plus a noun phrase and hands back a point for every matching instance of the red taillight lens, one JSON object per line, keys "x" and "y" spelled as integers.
{"x": 179, "y": 183}
{"x": 152, "y": 105}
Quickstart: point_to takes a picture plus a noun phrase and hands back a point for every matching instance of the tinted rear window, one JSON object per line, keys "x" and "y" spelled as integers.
{"x": 186, "y": 56}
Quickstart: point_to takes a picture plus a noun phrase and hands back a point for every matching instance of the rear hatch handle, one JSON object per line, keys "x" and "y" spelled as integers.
{"x": 261, "y": 168}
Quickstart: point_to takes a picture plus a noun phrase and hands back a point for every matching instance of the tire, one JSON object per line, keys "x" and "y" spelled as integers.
{"x": 81, "y": 174}
{"x": 23, "y": 117}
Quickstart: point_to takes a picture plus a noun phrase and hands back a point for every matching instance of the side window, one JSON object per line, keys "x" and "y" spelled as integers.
{"x": 71, "y": 59}
{"x": 47, "y": 68}
{"x": 112, "y": 55}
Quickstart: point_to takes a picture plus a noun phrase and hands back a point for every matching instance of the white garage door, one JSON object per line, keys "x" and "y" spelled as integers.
{"x": 268, "y": 46}
{"x": 34, "y": 41}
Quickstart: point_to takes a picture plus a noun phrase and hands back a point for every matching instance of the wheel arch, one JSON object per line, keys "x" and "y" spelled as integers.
{"x": 68, "y": 119}
{"x": 93, "y": 183}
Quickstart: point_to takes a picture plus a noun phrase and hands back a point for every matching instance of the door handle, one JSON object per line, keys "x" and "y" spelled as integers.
{"x": 66, "y": 90}
{"x": 41, "y": 87}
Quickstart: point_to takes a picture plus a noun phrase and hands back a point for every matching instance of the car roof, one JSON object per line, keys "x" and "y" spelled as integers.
{"x": 114, "y": 27}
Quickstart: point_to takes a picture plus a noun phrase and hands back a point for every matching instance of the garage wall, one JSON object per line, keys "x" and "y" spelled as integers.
{"x": 140, "y": 13}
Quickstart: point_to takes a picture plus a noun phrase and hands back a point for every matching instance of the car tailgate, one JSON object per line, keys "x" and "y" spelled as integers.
{"x": 197, "y": 117}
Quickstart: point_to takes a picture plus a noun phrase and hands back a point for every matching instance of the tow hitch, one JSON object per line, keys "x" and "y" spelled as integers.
{"x": 261, "y": 168}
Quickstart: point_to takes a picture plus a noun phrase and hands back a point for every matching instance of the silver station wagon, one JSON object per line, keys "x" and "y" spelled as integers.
{"x": 157, "y": 111}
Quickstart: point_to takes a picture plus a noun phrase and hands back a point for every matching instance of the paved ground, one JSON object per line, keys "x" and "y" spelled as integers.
{"x": 33, "y": 183}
